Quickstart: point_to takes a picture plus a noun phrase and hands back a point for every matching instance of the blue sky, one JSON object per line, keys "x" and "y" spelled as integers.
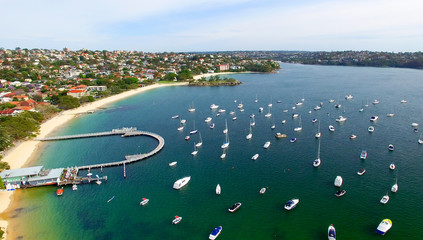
{"x": 213, "y": 25}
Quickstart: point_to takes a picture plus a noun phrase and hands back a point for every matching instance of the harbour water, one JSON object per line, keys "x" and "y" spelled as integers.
{"x": 285, "y": 168}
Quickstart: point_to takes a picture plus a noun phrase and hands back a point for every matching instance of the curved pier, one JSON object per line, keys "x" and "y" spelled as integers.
{"x": 124, "y": 132}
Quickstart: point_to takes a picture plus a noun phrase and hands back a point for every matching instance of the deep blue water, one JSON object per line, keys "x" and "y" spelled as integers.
{"x": 285, "y": 168}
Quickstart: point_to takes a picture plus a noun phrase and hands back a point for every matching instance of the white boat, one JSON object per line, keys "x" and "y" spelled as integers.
{"x": 331, "y": 128}
{"x": 262, "y": 191}
{"x": 223, "y": 154}
{"x": 331, "y": 100}
{"x": 414, "y": 124}
{"x": 194, "y": 131}
{"x": 317, "y": 108}
{"x": 255, "y": 156}
{"x": 266, "y": 145}
{"x": 341, "y": 119}
{"x": 374, "y": 118}
{"x": 181, "y": 182}
{"x": 314, "y": 120}
{"x": 256, "y": 100}
{"x": 175, "y": 117}
{"x": 200, "y": 143}
{"x": 98, "y": 182}
{"x": 235, "y": 207}
{"x": 361, "y": 109}
{"x": 299, "y": 128}
{"x": 177, "y": 220}
{"x": 317, "y": 162}
{"x": 74, "y": 187}
{"x": 353, "y": 136}
{"x": 295, "y": 115}
{"x": 231, "y": 112}
{"x": 240, "y": 106}
{"x": 191, "y": 109}
{"x": 331, "y": 232}
{"x": 338, "y": 181}
{"x": 172, "y": 164}
{"x": 390, "y": 114}
{"x": 349, "y": 97}
{"x": 260, "y": 109}
{"x": 420, "y": 141}
{"x": 144, "y": 201}
{"x": 291, "y": 204}
{"x": 283, "y": 121}
{"x": 253, "y": 121}
{"x": 180, "y": 128}
{"x": 221, "y": 111}
{"x": 214, "y": 106}
{"x": 298, "y": 104}
{"x": 215, "y": 233}
{"x": 318, "y": 134}
{"x": 208, "y": 119}
{"x": 385, "y": 199}
{"x": 392, "y": 166}
{"x": 183, "y": 121}
{"x": 384, "y": 226}
{"x": 212, "y": 126}
{"x": 285, "y": 110}
{"x": 363, "y": 154}
{"x": 394, "y": 187}
{"x": 195, "y": 150}
{"x": 269, "y": 114}
{"x": 226, "y": 143}
{"x": 249, "y": 135}
{"x": 338, "y": 105}
{"x": 361, "y": 172}
{"x": 225, "y": 131}
{"x": 218, "y": 189}
{"x": 391, "y": 147}
{"x": 292, "y": 140}
{"x": 371, "y": 129}
{"x": 403, "y": 101}
{"x": 376, "y": 101}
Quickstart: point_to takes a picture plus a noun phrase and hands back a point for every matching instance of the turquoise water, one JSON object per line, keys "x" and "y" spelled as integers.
{"x": 285, "y": 168}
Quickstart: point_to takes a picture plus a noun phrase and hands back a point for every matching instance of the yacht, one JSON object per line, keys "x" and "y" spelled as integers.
{"x": 338, "y": 181}
{"x": 212, "y": 125}
{"x": 363, "y": 154}
{"x": 221, "y": 111}
{"x": 385, "y": 199}
{"x": 403, "y": 101}
{"x": 200, "y": 143}
{"x": 353, "y": 136}
{"x": 266, "y": 145}
{"x": 215, "y": 233}
{"x": 394, "y": 187}
{"x": 349, "y": 97}
{"x": 252, "y": 115}
{"x": 172, "y": 164}
{"x": 314, "y": 120}
{"x": 331, "y": 128}
{"x": 195, "y": 150}
{"x": 235, "y": 207}
{"x": 280, "y": 135}
{"x": 260, "y": 109}
{"x": 293, "y": 140}
{"x": 390, "y": 114}
{"x": 175, "y": 117}
{"x": 208, "y": 119}
{"x": 361, "y": 109}
{"x": 214, "y": 106}
{"x": 194, "y": 131}
{"x": 420, "y": 141}
{"x": 255, "y": 156}
{"x": 341, "y": 119}
{"x": 180, "y": 128}
{"x": 177, "y": 220}
{"x": 144, "y": 201}
{"x": 249, "y": 135}
{"x": 283, "y": 121}
{"x": 240, "y": 106}
{"x": 318, "y": 134}
{"x": 291, "y": 204}
{"x": 371, "y": 129}
{"x": 183, "y": 121}
{"x": 374, "y": 118}
{"x": 317, "y": 108}
{"x": 181, "y": 182}
{"x": 262, "y": 191}
{"x": 331, "y": 233}
{"x": 340, "y": 193}
{"x": 74, "y": 187}
{"x": 376, "y": 101}
{"x": 226, "y": 143}
{"x": 361, "y": 172}
{"x": 269, "y": 114}
{"x": 392, "y": 166}
{"x": 331, "y": 100}
{"x": 391, "y": 147}
{"x": 218, "y": 189}
{"x": 317, "y": 162}
{"x": 285, "y": 110}
{"x": 295, "y": 115}
{"x": 226, "y": 127}
{"x": 191, "y": 109}
{"x": 384, "y": 226}
{"x": 299, "y": 128}
{"x": 232, "y": 112}
{"x": 223, "y": 154}
{"x": 299, "y": 104}
{"x": 414, "y": 124}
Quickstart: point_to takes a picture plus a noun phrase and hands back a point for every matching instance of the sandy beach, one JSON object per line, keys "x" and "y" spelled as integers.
{"x": 20, "y": 155}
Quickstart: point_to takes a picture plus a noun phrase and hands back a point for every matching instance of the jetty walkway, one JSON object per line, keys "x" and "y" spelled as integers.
{"x": 124, "y": 132}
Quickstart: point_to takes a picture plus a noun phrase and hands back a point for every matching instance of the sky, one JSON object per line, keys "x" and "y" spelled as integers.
{"x": 213, "y": 25}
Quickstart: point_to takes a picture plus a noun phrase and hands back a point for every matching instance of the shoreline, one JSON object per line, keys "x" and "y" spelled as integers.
{"x": 23, "y": 152}
{"x": 206, "y": 75}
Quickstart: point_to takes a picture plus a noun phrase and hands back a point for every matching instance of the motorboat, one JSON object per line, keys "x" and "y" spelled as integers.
{"x": 338, "y": 181}
{"x": 353, "y": 136}
{"x": 144, "y": 201}
{"x": 214, "y": 106}
{"x": 403, "y": 101}
{"x": 180, "y": 128}
{"x": 391, "y": 147}
{"x": 280, "y": 135}
{"x": 181, "y": 182}
{"x": 374, "y": 118}
{"x": 340, "y": 193}
{"x": 341, "y": 119}
{"x": 385, "y": 199}
{"x": 331, "y": 128}
{"x": 175, "y": 117}
{"x": 338, "y": 105}
{"x": 266, "y": 145}
{"x": 231, "y": 112}
{"x": 59, "y": 192}
{"x": 363, "y": 154}
{"x": 215, "y": 233}
{"x": 252, "y": 115}
{"x": 420, "y": 141}
{"x": 371, "y": 129}
{"x": 187, "y": 138}
{"x": 273, "y": 127}
{"x": 331, "y": 100}
{"x": 177, "y": 220}
{"x": 314, "y": 120}
{"x": 291, "y": 204}
{"x": 172, "y": 164}
{"x": 361, "y": 110}
{"x": 317, "y": 108}
{"x": 221, "y": 110}
{"x": 98, "y": 182}
{"x": 349, "y": 97}
{"x": 218, "y": 189}
{"x": 394, "y": 188}
{"x": 318, "y": 135}
{"x": 390, "y": 114}
{"x": 240, "y": 105}
{"x": 74, "y": 187}
{"x": 384, "y": 226}
{"x": 208, "y": 119}
{"x": 183, "y": 121}
{"x": 260, "y": 109}
{"x": 255, "y": 156}
{"x": 392, "y": 166}
{"x": 295, "y": 115}
{"x": 212, "y": 126}
{"x": 376, "y": 101}
{"x": 283, "y": 121}
{"x": 331, "y": 232}
{"x": 262, "y": 190}
{"x": 285, "y": 110}
{"x": 235, "y": 207}
{"x": 298, "y": 104}
{"x": 293, "y": 140}
{"x": 361, "y": 172}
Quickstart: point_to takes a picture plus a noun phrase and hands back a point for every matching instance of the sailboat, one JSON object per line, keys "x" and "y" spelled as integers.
{"x": 318, "y": 134}
{"x": 394, "y": 187}
{"x": 253, "y": 122}
{"x": 269, "y": 114}
{"x": 191, "y": 109}
{"x": 195, "y": 150}
{"x": 218, "y": 189}
{"x": 194, "y": 131}
{"x": 256, "y": 99}
{"x": 226, "y": 143}
{"x": 317, "y": 162}
{"x": 226, "y": 129}
{"x": 297, "y": 129}
{"x": 420, "y": 141}
{"x": 200, "y": 143}
{"x": 223, "y": 154}
{"x": 273, "y": 124}
{"x": 250, "y": 135}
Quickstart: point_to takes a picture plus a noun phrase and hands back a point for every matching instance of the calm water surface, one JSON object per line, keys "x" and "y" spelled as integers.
{"x": 285, "y": 168}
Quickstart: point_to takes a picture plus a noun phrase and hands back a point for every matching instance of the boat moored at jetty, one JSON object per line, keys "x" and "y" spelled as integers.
{"x": 384, "y": 226}
{"x": 181, "y": 182}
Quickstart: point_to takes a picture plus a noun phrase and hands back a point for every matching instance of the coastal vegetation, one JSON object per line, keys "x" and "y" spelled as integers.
{"x": 214, "y": 81}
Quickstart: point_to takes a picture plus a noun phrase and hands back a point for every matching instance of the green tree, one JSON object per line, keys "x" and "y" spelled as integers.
{"x": 68, "y": 102}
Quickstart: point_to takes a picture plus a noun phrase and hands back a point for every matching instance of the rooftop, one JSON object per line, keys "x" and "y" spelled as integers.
{"x": 21, "y": 172}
